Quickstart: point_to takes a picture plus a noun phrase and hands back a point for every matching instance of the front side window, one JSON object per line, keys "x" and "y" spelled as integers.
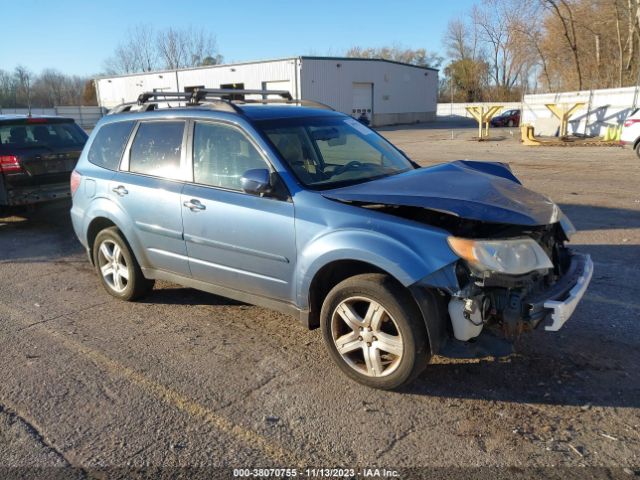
{"x": 156, "y": 149}
{"x": 335, "y": 151}
{"x": 108, "y": 146}
{"x": 221, "y": 155}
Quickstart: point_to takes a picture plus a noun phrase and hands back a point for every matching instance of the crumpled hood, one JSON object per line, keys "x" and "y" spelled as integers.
{"x": 482, "y": 191}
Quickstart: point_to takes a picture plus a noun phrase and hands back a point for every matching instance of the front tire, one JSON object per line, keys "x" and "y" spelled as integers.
{"x": 374, "y": 331}
{"x": 510, "y": 124}
{"x": 638, "y": 149}
{"x": 117, "y": 268}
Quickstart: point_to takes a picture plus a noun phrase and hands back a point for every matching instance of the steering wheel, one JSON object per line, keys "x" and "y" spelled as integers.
{"x": 348, "y": 166}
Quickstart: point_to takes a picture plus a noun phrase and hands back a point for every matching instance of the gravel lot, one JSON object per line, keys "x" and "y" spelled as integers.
{"x": 185, "y": 378}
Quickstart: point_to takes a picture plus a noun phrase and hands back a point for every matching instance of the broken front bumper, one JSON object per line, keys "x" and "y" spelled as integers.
{"x": 561, "y": 300}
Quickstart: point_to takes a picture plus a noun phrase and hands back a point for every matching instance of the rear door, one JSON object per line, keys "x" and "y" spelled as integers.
{"x": 47, "y": 150}
{"x": 148, "y": 187}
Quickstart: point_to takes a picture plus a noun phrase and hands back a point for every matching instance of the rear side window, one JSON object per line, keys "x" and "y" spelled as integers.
{"x": 106, "y": 149}
{"x": 156, "y": 149}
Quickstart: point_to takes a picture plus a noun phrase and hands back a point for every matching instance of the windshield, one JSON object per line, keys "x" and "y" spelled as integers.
{"x": 41, "y": 134}
{"x": 335, "y": 151}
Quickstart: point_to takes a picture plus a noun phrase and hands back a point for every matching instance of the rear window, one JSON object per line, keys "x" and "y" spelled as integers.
{"x": 157, "y": 148}
{"x": 106, "y": 149}
{"x": 42, "y": 135}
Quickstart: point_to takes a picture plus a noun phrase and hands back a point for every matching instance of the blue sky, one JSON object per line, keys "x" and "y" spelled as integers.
{"x": 76, "y": 36}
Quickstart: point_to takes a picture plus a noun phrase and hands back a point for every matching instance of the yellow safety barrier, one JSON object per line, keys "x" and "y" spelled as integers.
{"x": 483, "y": 117}
{"x": 613, "y": 133}
{"x": 563, "y": 112}
{"x": 527, "y": 135}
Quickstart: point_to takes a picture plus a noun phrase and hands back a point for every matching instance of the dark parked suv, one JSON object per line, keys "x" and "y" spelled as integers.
{"x": 37, "y": 156}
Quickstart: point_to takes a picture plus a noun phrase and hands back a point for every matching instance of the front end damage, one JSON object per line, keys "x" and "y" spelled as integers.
{"x": 514, "y": 271}
{"x": 483, "y": 302}
{"x": 511, "y": 305}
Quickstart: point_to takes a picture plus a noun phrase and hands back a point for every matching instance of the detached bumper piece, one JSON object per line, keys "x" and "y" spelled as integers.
{"x": 561, "y": 300}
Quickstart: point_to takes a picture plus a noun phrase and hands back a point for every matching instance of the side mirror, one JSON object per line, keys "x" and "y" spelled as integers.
{"x": 256, "y": 181}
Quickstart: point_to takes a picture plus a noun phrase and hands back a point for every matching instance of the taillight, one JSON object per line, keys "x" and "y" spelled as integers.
{"x": 76, "y": 178}
{"x": 10, "y": 164}
{"x": 631, "y": 121}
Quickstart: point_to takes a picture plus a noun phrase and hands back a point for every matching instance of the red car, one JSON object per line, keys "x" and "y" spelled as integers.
{"x": 510, "y": 118}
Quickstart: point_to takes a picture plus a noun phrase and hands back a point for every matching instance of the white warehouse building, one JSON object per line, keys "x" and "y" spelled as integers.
{"x": 386, "y": 92}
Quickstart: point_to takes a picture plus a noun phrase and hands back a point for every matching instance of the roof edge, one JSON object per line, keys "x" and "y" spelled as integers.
{"x": 268, "y": 60}
{"x": 312, "y": 57}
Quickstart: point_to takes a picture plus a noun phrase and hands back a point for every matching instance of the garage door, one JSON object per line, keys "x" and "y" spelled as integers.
{"x": 362, "y": 100}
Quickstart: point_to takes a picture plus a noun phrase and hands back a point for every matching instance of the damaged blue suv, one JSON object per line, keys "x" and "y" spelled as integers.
{"x": 292, "y": 206}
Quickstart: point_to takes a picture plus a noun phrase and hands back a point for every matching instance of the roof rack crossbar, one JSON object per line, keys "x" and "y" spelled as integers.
{"x": 222, "y": 98}
{"x": 146, "y": 96}
{"x": 310, "y": 103}
{"x": 201, "y": 93}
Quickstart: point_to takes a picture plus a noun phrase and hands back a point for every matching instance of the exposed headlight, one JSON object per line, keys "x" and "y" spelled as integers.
{"x": 567, "y": 227}
{"x": 513, "y": 256}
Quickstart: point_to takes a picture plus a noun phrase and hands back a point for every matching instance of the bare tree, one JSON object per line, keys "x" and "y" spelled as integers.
{"x": 23, "y": 83}
{"x": 502, "y": 24}
{"x": 187, "y": 48}
{"x": 398, "y": 53}
{"x": 172, "y": 48}
{"x": 121, "y": 62}
{"x": 461, "y": 40}
{"x": 564, "y": 12}
{"x": 137, "y": 53}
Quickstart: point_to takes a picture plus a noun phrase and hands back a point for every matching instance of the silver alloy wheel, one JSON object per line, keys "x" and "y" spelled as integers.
{"x": 367, "y": 337}
{"x": 113, "y": 266}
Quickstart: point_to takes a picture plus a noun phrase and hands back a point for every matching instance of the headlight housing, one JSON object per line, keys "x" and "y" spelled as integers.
{"x": 513, "y": 256}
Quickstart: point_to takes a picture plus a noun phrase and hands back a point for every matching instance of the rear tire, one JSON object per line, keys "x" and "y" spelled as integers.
{"x": 118, "y": 269}
{"x": 638, "y": 149}
{"x": 374, "y": 331}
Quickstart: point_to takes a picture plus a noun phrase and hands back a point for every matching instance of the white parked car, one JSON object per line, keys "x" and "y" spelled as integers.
{"x": 631, "y": 131}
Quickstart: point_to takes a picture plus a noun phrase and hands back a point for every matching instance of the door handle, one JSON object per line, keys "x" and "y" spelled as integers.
{"x": 194, "y": 205}
{"x": 120, "y": 190}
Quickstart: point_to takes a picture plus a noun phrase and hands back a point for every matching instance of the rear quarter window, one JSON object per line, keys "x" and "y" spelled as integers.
{"x": 108, "y": 145}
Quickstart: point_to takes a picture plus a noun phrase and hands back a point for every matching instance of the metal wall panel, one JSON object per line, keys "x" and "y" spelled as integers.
{"x": 397, "y": 88}
{"x": 116, "y": 90}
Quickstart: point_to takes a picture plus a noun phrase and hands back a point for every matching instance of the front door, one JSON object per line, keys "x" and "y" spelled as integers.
{"x": 234, "y": 239}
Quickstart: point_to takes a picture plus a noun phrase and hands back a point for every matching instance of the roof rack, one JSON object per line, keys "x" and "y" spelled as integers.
{"x": 220, "y": 98}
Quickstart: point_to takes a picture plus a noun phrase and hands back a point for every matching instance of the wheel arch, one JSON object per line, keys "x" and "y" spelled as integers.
{"x": 93, "y": 229}
{"x": 328, "y": 276}
{"x": 104, "y": 213}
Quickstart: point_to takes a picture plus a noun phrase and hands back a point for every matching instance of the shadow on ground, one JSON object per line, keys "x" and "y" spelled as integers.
{"x": 588, "y": 362}
{"x": 590, "y": 217}
{"x": 187, "y": 296}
